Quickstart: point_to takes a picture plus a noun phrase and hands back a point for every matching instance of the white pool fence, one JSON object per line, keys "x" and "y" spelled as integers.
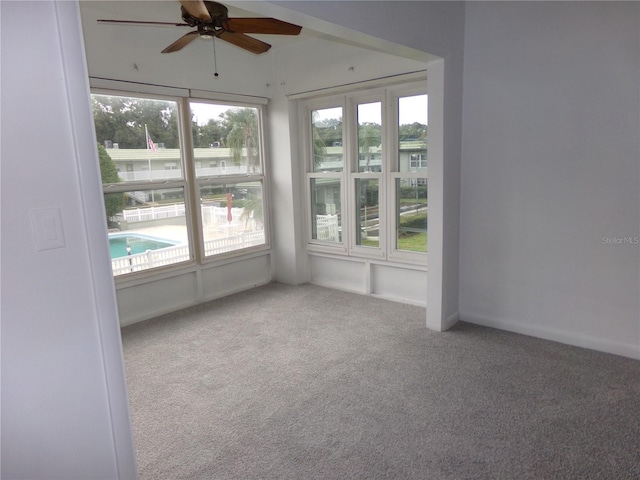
{"x": 180, "y": 253}
{"x": 327, "y": 229}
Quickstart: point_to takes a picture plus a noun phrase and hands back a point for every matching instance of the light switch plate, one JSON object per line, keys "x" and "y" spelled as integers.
{"x": 47, "y": 228}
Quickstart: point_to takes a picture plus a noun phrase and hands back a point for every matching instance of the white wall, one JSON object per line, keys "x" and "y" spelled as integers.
{"x": 287, "y": 194}
{"x": 64, "y": 400}
{"x": 551, "y": 167}
{"x": 148, "y": 297}
{"x": 433, "y": 27}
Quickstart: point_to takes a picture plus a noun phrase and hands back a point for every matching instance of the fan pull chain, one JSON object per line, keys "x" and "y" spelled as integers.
{"x": 215, "y": 63}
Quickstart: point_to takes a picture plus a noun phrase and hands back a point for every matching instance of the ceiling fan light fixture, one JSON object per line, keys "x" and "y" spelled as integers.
{"x": 206, "y": 31}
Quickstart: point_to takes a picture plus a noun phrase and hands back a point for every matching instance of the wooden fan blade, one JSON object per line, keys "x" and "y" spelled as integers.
{"x": 243, "y": 41}
{"x": 181, "y": 42}
{"x": 196, "y": 8}
{"x": 135, "y": 22}
{"x": 271, "y": 26}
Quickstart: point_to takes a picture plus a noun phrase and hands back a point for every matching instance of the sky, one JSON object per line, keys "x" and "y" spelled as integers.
{"x": 412, "y": 109}
{"x": 204, "y": 112}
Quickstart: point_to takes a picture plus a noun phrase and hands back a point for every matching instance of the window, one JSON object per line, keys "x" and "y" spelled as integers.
{"x": 370, "y": 137}
{"x": 228, "y": 141}
{"x": 417, "y": 160}
{"x": 367, "y": 179}
{"x": 410, "y": 199}
{"x": 326, "y": 132}
{"x": 325, "y": 179}
{"x": 367, "y": 173}
{"x": 165, "y": 205}
{"x": 367, "y": 212}
{"x": 326, "y": 212}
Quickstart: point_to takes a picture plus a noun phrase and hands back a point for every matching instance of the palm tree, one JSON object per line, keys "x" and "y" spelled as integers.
{"x": 319, "y": 145}
{"x": 244, "y": 136}
{"x": 369, "y": 137}
{"x": 253, "y": 209}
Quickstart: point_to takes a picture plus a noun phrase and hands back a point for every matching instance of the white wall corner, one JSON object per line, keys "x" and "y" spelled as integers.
{"x": 73, "y": 60}
{"x": 451, "y": 321}
{"x": 286, "y": 198}
{"x": 435, "y": 281}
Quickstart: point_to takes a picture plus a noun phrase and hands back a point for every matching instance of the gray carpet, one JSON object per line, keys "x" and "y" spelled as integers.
{"x": 303, "y": 382}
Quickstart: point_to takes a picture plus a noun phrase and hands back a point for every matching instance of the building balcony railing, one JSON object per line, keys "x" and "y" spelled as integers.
{"x": 176, "y": 174}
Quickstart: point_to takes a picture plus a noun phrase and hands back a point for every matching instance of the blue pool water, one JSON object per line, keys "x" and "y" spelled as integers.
{"x": 139, "y": 244}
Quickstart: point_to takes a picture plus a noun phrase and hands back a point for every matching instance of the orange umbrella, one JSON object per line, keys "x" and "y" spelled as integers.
{"x": 229, "y": 216}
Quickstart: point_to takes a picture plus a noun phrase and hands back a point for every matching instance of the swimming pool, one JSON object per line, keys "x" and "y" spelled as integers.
{"x": 118, "y": 243}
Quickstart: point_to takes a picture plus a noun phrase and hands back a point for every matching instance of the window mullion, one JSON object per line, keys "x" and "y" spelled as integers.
{"x": 326, "y": 152}
{"x": 391, "y": 131}
{"x": 126, "y": 187}
{"x": 191, "y": 195}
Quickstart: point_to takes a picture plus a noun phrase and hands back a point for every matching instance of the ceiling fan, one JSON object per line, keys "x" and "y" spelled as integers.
{"x": 211, "y": 19}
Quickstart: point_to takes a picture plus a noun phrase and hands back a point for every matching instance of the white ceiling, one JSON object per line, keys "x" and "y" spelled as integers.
{"x": 161, "y": 11}
{"x": 319, "y": 56}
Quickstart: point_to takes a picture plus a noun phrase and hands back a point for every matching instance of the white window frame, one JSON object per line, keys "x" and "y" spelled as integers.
{"x": 388, "y": 95}
{"x": 353, "y": 174}
{"x": 420, "y": 160}
{"x": 189, "y": 182}
{"x": 307, "y": 145}
{"x": 393, "y": 94}
{"x": 224, "y": 179}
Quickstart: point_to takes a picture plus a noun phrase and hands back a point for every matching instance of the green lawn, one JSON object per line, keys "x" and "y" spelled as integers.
{"x": 369, "y": 243}
{"x": 413, "y": 242}
{"x": 413, "y": 201}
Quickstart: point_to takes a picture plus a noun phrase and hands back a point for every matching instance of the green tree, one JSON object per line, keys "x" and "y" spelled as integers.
{"x": 113, "y": 202}
{"x": 319, "y": 144}
{"x": 243, "y": 136}
{"x": 412, "y": 131}
{"x": 369, "y": 137}
{"x": 253, "y": 209}
{"x": 329, "y": 130}
{"x": 209, "y": 133}
{"x": 122, "y": 120}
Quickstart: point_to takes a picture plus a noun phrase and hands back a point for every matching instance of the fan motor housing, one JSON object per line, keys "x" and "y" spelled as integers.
{"x": 218, "y": 13}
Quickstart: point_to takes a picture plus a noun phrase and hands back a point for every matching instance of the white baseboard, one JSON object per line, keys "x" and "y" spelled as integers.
{"x": 436, "y": 326}
{"x": 397, "y": 299}
{"x": 631, "y": 350}
{"x": 450, "y": 321}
